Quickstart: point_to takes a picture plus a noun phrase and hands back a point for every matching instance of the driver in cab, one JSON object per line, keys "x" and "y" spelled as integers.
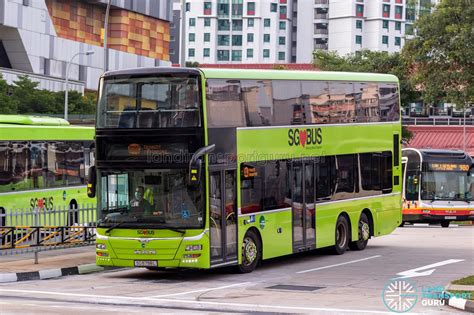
{"x": 139, "y": 205}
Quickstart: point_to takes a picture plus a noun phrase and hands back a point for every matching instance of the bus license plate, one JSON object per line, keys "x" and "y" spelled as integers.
{"x": 146, "y": 263}
{"x": 450, "y": 218}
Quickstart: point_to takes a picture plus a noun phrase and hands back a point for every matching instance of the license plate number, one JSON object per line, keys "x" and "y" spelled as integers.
{"x": 450, "y": 218}
{"x": 146, "y": 263}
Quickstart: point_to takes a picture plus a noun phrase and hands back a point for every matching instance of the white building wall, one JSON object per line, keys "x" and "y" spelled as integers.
{"x": 262, "y": 12}
{"x": 342, "y": 26}
{"x": 305, "y": 32}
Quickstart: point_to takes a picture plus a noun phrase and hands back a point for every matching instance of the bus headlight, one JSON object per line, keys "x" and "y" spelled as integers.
{"x": 188, "y": 256}
{"x": 101, "y": 246}
{"x": 190, "y": 248}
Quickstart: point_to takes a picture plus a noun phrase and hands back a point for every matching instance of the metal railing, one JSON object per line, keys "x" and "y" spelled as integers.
{"x": 436, "y": 121}
{"x": 40, "y": 229}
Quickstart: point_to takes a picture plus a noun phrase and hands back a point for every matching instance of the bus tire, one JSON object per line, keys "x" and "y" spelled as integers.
{"x": 445, "y": 224}
{"x": 251, "y": 252}
{"x": 341, "y": 235}
{"x": 363, "y": 234}
{"x": 402, "y": 224}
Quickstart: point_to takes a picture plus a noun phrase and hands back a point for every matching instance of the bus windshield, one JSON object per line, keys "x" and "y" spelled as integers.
{"x": 150, "y": 102}
{"x": 158, "y": 198}
{"x": 439, "y": 185}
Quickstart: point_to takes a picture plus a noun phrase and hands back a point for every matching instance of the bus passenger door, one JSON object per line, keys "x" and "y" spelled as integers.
{"x": 303, "y": 208}
{"x": 223, "y": 217}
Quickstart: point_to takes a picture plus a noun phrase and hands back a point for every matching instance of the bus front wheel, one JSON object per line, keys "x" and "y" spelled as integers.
{"x": 251, "y": 252}
{"x": 341, "y": 235}
{"x": 445, "y": 224}
{"x": 363, "y": 234}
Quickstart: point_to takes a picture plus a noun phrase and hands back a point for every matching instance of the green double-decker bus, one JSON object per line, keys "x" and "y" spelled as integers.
{"x": 201, "y": 168}
{"x": 44, "y": 165}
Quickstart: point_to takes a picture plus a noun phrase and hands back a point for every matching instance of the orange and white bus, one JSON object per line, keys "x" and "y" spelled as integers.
{"x": 438, "y": 186}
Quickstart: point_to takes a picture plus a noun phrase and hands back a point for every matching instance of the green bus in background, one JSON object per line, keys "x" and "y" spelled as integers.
{"x": 201, "y": 168}
{"x": 44, "y": 163}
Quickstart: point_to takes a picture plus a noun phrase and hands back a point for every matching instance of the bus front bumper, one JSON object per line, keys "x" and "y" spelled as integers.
{"x": 433, "y": 218}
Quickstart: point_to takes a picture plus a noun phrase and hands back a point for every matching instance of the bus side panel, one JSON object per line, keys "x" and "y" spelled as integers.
{"x": 275, "y": 229}
{"x": 385, "y": 212}
{"x": 53, "y": 201}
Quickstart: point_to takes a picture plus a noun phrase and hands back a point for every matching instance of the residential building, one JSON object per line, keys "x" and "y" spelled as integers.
{"x": 279, "y": 31}
{"x": 238, "y": 31}
{"x": 347, "y": 26}
{"x": 39, "y": 38}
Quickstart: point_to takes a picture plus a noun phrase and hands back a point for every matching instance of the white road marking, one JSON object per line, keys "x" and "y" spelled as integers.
{"x": 417, "y": 272}
{"x": 201, "y": 290}
{"x": 341, "y": 264}
{"x": 231, "y": 306}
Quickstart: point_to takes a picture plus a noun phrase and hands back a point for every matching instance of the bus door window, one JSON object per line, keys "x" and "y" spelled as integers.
{"x": 215, "y": 214}
{"x": 412, "y": 185}
{"x": 309, "y": 201}
{"x": 230, "y": 214}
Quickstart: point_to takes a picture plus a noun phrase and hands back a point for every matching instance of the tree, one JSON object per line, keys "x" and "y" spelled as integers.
{"x": 442, "y": 53}
{"x": 31, "y": 100}
{"x": 8, "y": 105}
{"x": 370, "y": 61}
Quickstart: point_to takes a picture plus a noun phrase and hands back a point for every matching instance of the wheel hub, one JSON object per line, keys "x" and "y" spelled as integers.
{"x": 365, "y": 231}
{"x": 250, "y": 251}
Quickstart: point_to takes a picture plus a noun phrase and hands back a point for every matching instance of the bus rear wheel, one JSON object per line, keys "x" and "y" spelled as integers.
{"x": 251, "y": 252}
{"x": 341, "y": 235}
{"x": 363, "y": 234}
{"x": 445, "y": 224}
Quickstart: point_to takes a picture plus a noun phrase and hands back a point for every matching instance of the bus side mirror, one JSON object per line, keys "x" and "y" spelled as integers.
{"x": 195, "y": 165}
{"x": 91, "y": 182}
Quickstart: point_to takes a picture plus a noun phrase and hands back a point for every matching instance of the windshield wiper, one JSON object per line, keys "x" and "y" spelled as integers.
{"x": 113, "y": 227}
{"x": 176, "y": 230}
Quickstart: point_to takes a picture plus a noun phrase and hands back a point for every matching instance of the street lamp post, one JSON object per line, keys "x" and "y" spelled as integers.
{"x": 66, "y": 93}
{"x": 106, "y": 27}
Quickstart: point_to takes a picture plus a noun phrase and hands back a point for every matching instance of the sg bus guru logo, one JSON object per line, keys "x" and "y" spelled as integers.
{"x": 400, "y": 295}
{"x": 304, "y": 137}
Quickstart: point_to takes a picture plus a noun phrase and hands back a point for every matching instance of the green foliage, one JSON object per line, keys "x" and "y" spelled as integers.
{"x": 26, "y": 98}
{"x": 372, "y": 62}
{"x": 442, "y": 53}
{"x": 407, "y": 135}
{"x": 192, "y": 64}
{"x": 8, "y": 105}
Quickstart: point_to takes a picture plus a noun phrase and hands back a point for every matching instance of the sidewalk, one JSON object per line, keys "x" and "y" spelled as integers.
{"x": 51, "y": 264}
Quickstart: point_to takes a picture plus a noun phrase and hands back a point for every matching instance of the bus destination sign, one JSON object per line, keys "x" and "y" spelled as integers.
{"x": 448, "y": 167}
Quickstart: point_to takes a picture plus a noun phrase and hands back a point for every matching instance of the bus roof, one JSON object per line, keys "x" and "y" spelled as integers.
{"x": 296, "y": 75}
{"x": 35, "y": 128}
{"x": 259, "y": 74}
{"x": 32, "y": 120}
{"x": 440, "y": 155}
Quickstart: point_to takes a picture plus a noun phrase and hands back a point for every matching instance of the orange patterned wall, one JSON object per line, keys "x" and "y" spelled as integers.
{"x": 128, "y": 31}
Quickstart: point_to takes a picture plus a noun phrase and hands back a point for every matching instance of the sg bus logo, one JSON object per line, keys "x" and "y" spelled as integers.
{"x": 305, "y": 137}
{"x": 42, "y": 203}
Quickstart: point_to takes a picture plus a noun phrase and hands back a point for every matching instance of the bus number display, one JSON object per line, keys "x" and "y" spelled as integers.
{"x": 449, "y": 167}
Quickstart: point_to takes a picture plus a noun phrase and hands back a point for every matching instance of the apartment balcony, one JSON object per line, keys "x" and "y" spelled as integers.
{"x": 318, "y": 2}
{"x": 321, "y": 46}
{"x": 318, "y": 16}
{"x": 321, "y": 31}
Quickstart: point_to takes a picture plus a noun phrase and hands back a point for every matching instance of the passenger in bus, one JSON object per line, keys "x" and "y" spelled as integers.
{"x": 139, "y": 205}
